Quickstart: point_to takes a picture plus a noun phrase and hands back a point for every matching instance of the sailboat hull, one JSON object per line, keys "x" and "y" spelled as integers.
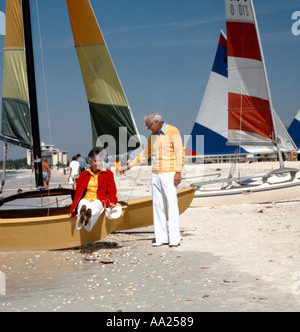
{"x": 60, "y": 232}
{"x": 259, "y": 194}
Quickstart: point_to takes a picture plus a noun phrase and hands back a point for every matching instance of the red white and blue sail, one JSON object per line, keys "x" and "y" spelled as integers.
{"x": 212, "y": 120}
{"x": 294, "y": 130}
{"x": 250, "y": 119}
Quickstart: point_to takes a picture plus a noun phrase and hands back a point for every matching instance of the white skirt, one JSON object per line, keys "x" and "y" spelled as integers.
{"x": 96, "y": 208}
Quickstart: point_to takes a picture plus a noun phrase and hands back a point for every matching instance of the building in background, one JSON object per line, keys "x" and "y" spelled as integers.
{"x": 54, "y": 156}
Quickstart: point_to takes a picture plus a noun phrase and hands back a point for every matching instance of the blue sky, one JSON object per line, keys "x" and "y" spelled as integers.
{"x": 163, "y": 51}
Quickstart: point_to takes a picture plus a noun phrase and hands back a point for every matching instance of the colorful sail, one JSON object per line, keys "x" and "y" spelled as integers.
{"x": 15, "y": 126}
{"x": 212, "y": 120}
{"x": 109, "y": 108}
{"x": 294, "y": 130}
{"x": 249, "y": 101}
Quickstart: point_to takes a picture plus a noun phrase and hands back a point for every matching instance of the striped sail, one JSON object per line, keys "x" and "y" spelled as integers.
{"x": 212, "y": 120}
{"x": 15, "y": 125}
{"x": 109, "y": 109}
{"x": 249, "y": 101}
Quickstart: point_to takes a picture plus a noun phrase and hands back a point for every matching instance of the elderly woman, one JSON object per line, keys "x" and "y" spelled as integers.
{"x": 95, "y": 191}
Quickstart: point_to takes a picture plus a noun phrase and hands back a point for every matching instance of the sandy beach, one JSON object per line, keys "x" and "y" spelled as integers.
{"x": 232, "y": 258}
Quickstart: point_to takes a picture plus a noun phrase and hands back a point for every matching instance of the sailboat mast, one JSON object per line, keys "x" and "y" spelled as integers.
{"x": 36, "y": 143}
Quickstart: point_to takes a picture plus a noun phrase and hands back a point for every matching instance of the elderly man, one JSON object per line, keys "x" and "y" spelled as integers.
{"x": 165, "y": 144}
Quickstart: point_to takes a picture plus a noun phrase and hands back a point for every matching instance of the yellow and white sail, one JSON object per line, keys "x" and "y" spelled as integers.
{"x": 15, "y": 126}
{"x": 109, "y": 108}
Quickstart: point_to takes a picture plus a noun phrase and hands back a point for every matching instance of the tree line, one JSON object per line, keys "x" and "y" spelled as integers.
{"x": 15, "y": 164}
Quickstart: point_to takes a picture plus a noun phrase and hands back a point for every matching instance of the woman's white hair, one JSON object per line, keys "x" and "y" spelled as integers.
{"x": 154, "y": 116}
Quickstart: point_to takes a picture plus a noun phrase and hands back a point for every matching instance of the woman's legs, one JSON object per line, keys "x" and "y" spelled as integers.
{"x": 89, "y": 213}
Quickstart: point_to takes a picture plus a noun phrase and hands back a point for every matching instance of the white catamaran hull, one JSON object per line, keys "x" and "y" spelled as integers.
{"x": 261, "y": 194}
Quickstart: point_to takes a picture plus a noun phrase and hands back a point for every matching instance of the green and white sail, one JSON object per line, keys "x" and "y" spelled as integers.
{"x": 15, "y": 125}
{"x": 109, "y": 109}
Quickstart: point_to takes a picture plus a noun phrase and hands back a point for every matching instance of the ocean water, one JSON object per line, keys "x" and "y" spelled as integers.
{"x": 25, "y": 180}
{"x": 14, "y": 181}
{"x": 15, "y": 175}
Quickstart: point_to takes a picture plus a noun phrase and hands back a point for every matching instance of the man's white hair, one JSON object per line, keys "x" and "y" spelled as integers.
{"x": 154, "y": 116}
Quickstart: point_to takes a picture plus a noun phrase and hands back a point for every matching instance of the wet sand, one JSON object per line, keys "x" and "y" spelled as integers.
{"x": 240, "y": 258}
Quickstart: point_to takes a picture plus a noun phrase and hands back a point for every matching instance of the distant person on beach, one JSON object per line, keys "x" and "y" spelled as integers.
{"x": 290, "y": 156}
{"x": 165, "y": 144}
{"x": 96, "y": 190}
{"x": 82, "y": 162}
{"x": 106, "y": 163}
{"x": 74, "y": 171}
{"x": 117, "y": 165}
{"x": 46, "y": 172}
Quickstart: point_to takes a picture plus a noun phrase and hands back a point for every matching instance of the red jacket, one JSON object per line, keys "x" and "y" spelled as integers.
{"x": 106, "y": 192}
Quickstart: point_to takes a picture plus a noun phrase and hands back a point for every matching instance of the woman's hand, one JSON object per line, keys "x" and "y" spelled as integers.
{"x": 124, "y": 169}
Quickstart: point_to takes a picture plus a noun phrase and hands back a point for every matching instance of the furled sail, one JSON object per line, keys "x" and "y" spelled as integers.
{"x": 249, "y": 101}
{"x": 212, "y": 120}
{"x": 15, "y": 126}
{"x": 109, "y": 108}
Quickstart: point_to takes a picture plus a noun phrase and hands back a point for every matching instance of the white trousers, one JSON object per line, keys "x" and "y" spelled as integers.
{"x": 96, "y": 207}
{"x": 165, "y": 203}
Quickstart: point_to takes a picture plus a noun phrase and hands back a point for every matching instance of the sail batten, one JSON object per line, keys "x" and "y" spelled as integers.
{"x": 109, "y": 107}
